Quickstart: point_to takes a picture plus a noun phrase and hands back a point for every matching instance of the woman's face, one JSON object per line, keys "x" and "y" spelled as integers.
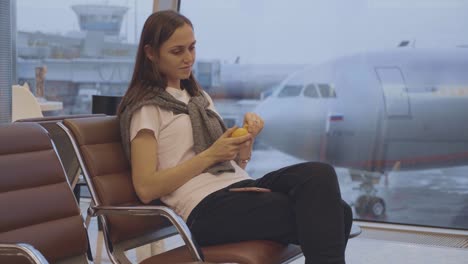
{"x": 176, "y": 55}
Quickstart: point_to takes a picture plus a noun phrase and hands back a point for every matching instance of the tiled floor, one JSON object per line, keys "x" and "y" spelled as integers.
{"x": 360, "y": 250}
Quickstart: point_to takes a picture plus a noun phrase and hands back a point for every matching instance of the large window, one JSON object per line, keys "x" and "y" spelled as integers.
{"x": 70, "y": 50}
{"x": 381, "y": 99}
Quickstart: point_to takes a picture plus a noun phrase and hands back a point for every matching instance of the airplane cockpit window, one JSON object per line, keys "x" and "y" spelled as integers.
{"x": 326, "y": 91}
{"x": 311, "y": 91}
{"x": 290, "y": 90}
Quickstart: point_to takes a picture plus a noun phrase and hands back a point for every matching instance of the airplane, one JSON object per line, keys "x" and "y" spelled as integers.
{"x": 248, "y": 81}
{"x": 373, "y": 113}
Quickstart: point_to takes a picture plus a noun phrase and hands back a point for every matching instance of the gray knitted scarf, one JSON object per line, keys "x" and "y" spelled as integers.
{"x": 207, "y": 126}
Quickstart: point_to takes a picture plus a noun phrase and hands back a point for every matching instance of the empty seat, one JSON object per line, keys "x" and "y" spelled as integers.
{"x": 37, "y": 206}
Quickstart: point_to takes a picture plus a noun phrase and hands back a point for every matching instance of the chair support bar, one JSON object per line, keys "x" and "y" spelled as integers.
{"x": 21, "y": 249}
{"x": 150, "y": 210}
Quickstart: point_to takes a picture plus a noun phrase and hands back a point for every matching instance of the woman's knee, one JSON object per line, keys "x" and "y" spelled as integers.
{"x": 322, "y": 174}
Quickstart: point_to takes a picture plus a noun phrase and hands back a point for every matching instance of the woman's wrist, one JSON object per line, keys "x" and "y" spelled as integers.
{"x": 245, "y": 152}
{"x": 208, "y": 158}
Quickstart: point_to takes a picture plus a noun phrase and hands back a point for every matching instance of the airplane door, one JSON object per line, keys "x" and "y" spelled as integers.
{"x": 395, "y": 92}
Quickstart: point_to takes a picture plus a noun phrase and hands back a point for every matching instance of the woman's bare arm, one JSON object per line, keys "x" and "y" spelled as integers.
{"x": 151, "y": 184}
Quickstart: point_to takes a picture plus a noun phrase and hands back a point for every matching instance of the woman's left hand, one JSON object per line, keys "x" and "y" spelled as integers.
{"x": 255, "y": 123}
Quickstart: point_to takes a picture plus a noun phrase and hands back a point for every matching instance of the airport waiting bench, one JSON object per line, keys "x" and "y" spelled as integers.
{"x": 97, "y": 143}
{"x": 41, "y": 221}
{"x": 39, "y": 211}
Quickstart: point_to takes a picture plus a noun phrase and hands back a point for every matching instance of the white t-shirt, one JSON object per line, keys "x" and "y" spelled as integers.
{"x": 174, "y": 137}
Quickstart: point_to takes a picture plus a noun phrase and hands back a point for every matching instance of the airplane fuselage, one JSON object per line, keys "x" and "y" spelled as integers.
{"x": 405, "y": 107}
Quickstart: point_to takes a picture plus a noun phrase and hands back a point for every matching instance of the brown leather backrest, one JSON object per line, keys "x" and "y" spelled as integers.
{"x": 37, "y": 205}
{"x": 61, "y": 141}
{"x": 100, "y": 145}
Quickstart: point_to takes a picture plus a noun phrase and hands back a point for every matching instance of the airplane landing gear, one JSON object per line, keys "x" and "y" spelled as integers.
{"x": 373, "y": 206}
{"x": 368, "y": 204}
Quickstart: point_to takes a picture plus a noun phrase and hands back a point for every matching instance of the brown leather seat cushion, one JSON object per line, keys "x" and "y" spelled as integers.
{"x": 253, "y": 252}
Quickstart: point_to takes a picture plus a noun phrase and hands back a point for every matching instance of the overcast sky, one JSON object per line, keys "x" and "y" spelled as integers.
{"x": 275, "y": 31}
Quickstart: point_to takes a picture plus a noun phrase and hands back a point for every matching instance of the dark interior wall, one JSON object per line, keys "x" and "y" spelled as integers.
{"x": 7, "y": 57}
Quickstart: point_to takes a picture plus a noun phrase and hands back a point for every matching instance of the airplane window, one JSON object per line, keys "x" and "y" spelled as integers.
{"x": 326, "y": 91}
{"x": 311, "y": 91}
{"x": 290, "y": 90}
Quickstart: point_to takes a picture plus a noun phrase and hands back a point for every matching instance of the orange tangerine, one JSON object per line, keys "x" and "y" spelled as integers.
{"x": 241, "y": 131}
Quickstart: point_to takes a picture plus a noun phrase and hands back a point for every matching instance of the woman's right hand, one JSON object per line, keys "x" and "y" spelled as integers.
{"x": 227, "y": 147}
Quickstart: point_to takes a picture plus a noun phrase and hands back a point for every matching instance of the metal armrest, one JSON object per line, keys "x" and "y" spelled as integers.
{"x": 152, "y": 210}
{"x": 25, "y": 250}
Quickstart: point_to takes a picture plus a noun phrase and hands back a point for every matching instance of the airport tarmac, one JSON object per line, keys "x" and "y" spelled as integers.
{"x": 437, "y": 197}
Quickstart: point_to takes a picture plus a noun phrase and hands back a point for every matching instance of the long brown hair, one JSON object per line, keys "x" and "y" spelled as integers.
{"x": 147, "y": 79}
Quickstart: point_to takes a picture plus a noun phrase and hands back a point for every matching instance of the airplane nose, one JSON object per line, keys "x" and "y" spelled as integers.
{"x": 290, "y": 128}
{"x": 272, "y": 118}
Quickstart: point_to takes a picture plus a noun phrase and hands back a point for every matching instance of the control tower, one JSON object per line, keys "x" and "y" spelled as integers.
{"x": 100, "y": 18}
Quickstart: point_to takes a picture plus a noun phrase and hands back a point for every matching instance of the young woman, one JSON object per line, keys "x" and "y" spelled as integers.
{"x": 181, "y": 153}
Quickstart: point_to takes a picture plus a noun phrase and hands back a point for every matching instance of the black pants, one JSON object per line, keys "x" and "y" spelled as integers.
{"x": 304, "y": 208}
